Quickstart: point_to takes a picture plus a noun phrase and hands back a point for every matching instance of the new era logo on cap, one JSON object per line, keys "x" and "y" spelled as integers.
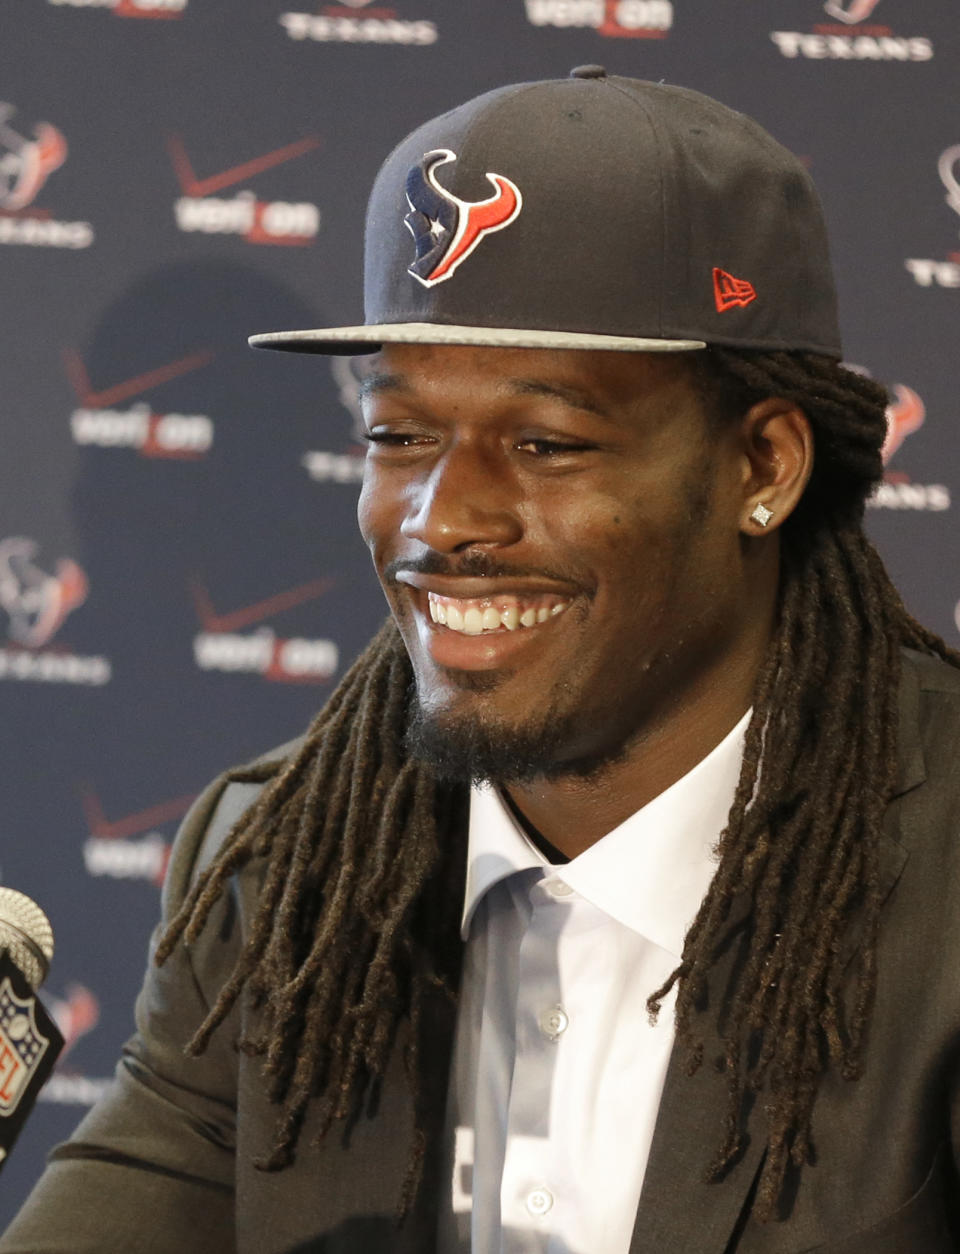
{"x": 729, "y": 291}
{"x": 447, "y": 229}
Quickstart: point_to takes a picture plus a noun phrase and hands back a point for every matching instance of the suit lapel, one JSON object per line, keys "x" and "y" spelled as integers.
{"x": 678, "y": 1209}
{"x": 434, "y": 1054}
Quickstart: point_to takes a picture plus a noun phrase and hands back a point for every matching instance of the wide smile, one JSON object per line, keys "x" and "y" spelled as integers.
{"x": 467, "y": 624}
{"x": 477, "y": 616}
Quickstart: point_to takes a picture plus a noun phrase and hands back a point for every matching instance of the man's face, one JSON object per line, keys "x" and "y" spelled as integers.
{"x": 557, "y": 533}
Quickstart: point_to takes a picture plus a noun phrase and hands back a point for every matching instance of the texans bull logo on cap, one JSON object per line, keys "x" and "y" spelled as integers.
{"x": 445, "y": 228}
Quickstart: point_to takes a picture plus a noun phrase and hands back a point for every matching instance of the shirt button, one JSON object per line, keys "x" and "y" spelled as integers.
{"x": 539, "y": 1201}
{"x": 553, "y": 1022}
{"x": 558, "y": 888}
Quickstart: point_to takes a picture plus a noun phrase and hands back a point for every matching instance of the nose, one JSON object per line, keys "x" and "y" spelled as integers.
{"x": 467, "y": 500}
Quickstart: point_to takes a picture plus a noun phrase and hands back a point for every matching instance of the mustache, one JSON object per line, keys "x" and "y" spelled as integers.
{"x": 478, "y": 565}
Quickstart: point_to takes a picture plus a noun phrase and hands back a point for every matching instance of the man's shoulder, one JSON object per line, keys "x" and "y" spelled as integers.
{"x": 215, "y": 814}
{"x": 276, "y": 758}
{"x": 932, "y": 673}
{"x": 237, "y": 789}
{"x": 930, "y": 744}
{"x": 930, "y": 709}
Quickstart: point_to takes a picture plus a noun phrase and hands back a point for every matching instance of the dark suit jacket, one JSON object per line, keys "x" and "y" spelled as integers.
{"x": 163, "y": 1164}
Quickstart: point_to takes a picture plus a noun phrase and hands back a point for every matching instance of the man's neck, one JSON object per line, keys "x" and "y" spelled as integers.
{"x": 573, "y": 812}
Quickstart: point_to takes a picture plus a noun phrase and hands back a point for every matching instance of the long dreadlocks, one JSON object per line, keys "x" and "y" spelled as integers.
{"x": 364, "y": 848}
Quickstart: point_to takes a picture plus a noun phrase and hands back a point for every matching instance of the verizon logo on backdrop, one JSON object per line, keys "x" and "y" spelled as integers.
{"x": 358, "y": 22}
{"x": 616, "y": 19}
{"x": 931, "y": 271}
{"x": 36, "y": 602}
{"x": 98, "y": 420}
{"x": 129, "y": 8}
{"x": 223, "y": 644}
{"x": 131, "y": 846}
{"x": 29, "y": 155}
{"x": 199, "y": 209}
{"x": 853, "y": 35}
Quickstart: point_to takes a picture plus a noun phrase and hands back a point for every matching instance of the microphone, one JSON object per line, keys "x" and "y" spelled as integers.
{"x": 29, "y": 1039}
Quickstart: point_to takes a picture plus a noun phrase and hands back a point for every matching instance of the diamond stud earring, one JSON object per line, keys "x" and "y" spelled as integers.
{"x": 761, "y": 514}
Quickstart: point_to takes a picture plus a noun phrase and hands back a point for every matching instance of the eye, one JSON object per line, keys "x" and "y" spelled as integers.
{"x": 545, "y": 447}
{"x": 393, "y": 439}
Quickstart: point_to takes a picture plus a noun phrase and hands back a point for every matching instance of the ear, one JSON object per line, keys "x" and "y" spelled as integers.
{"x": 778, "y": 448}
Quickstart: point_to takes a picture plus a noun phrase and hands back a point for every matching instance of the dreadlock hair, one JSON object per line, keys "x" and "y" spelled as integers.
{"x": 364, "y": 848}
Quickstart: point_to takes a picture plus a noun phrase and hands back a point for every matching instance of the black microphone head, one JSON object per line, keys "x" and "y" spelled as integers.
{"x": 26, "y": 935}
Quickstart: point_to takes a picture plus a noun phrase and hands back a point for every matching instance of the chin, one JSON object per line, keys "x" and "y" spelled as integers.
{"x": 469, "y": 749}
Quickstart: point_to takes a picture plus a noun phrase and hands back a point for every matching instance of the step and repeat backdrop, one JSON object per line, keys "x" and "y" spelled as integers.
{"x": 181, "y": 582}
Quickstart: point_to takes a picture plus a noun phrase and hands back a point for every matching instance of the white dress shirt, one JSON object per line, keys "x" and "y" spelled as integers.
{"x": 557, "y": 1071}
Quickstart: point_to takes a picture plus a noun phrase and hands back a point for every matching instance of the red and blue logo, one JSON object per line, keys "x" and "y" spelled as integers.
{"x": 447, "y": 229}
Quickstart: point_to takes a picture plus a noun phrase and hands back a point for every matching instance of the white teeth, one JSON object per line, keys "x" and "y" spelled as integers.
{"x": 475, "y": 618}
{"x": 473, "y": 622}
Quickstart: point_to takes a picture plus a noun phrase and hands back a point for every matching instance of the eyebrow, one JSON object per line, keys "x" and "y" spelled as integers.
{"x": 557, "y": 391}
{"x": 372, "y": 383}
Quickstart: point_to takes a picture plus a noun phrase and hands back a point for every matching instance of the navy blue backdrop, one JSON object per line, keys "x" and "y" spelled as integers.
{"x": 180, "y": 577}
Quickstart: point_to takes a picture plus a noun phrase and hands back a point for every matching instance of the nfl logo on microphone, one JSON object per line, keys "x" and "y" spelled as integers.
{"x": 22, "y": 1046}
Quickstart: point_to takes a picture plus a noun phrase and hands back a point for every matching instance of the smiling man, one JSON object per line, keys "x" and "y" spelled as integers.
{"x": 560, "y": 537}
{"x": 609, "y": 905}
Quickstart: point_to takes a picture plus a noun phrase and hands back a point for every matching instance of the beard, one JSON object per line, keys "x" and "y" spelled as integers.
{"x": 487, "y": 749}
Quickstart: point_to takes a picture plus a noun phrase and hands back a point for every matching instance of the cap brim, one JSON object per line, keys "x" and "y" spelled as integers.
{"x": 354, "y": 340}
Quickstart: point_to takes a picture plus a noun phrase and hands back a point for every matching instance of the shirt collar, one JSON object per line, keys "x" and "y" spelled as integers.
{"x": 496, "y": 848}
{"x": 650, "y": 873}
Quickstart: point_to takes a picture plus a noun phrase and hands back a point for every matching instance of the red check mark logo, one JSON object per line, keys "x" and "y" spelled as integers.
{"x": 131, "y": 824}
{"x": 234, "y": 620}
{"x": 93, "y": 399}
{"x": 192, "y": 186}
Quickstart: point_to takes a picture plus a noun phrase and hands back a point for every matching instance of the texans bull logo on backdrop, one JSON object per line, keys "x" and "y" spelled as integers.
{"x": 445, "y": 228}
{"x": 851, "y": 11}
{"x": 949, "y": 170}
{"x": 37, "y": 602}
{"x": 26, "y": 164}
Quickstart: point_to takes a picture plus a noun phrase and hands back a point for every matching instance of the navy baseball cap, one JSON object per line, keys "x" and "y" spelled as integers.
{"x": 593, "y": 211}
